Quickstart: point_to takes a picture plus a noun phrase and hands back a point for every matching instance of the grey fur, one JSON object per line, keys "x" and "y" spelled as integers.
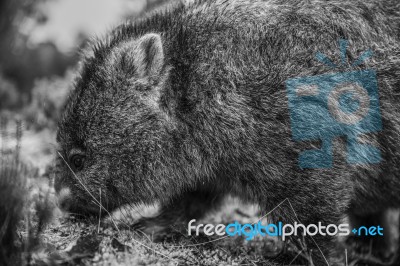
{"x": 210, "y": 113}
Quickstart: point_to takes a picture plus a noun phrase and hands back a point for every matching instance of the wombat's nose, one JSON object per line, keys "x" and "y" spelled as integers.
{"x": 64, "y": 198}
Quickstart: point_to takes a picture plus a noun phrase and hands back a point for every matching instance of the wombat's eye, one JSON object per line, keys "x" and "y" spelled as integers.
{"x": 77, "y": 161}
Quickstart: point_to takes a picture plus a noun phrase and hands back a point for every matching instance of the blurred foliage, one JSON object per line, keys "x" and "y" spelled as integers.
{"x": 20, "y": 64}
{"x": 12, "y": 13}
{"x": 48, "y": 96}
{"x": 9, "y": 97}
{"x": 25, "y": 210}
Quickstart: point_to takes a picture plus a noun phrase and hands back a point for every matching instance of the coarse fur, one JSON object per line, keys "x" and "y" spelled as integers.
{"x": 194, "y": 99}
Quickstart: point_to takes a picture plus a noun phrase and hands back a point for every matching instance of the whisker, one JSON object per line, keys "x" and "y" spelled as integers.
{"x": 87, "y": 190}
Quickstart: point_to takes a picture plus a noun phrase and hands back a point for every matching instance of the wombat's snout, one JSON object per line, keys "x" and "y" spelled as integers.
{"x": 66, "y": 201}
{"x": 73, "y": 205}
{"x": 63, "y": 198}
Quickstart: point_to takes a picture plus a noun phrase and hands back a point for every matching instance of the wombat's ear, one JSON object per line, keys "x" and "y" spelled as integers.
{"x": 149, "y": 56}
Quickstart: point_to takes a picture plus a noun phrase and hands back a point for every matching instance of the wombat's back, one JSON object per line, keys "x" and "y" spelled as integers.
{"x": 240, "y": 54}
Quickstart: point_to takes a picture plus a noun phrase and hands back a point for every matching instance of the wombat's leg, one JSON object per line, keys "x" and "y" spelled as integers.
{"x": 174, "y": 217}
{"x": 380, "y": 247}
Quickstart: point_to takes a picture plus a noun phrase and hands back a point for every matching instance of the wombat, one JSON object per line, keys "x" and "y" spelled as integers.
{"x": 189, "y": 104}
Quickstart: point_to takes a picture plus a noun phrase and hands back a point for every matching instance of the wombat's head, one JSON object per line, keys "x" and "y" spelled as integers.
{"x": 113, "y": 126}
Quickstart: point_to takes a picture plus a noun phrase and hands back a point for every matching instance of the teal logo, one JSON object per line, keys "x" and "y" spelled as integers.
{"x": 332, "y": 105}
